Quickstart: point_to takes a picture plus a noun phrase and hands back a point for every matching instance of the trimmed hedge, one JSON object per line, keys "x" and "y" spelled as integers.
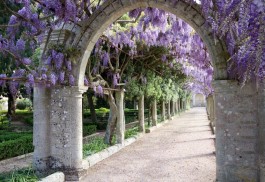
{"x": 24, "y": 104}
{"x": 89, "y": 129}
{"x": 13, "y": 136}
{"x": 16, "y": 147}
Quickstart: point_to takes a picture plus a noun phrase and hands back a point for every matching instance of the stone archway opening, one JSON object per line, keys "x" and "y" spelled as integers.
{"x": 58, "y": 117}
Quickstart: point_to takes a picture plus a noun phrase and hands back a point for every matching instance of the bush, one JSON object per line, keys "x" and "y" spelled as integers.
{"x": 131, "y": 132}
{"x": 16, "y": 147}
{"x": 29, "y": 120}
{"x": 102, "y": 112}
{"x": 89, "y": 129}
{"x": 96, "y": 145}
{"x": 12, "y": 136}
{"x": 24, "y": 104}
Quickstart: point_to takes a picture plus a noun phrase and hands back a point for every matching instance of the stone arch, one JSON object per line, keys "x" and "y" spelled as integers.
{"x": 240, "y": 145}
{"x": 112, "y": 9}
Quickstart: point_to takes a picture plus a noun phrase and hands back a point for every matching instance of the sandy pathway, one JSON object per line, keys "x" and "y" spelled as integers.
{"x": 180, "y": 151}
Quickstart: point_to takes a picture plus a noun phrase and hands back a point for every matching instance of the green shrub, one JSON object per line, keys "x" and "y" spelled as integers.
{"x": 13, "y": 136}
{"x": 24, "y": 104}
{"x": 16, "y": 147}
{"x": 4, "y": 125}
{"x": 89, "y": 129}
{"x": 131, "y": 132}
{"x": 102, "y": 112}
{"x": 96, "y": 145}
{"x": 29, "y": 120}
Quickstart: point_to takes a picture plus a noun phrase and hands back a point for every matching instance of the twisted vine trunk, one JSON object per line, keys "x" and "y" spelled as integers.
{"x": 11, "y": 105}
{"x": 91, "y": 106}
{"x": 112, "y": 120}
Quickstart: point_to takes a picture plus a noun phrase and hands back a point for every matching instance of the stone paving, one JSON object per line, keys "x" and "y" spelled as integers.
{"x": 180, "y": 151}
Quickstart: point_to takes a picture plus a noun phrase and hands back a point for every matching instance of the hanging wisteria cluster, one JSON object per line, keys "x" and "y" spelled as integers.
{"x": 155, "y": 28}
{"x": 242, "y": 24}
{"x": 239, "y": 22}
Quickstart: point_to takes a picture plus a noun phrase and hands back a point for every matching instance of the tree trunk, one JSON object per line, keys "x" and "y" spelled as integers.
{"x": 141, "y": 113}
{"x": 168, "y": 111}
{"x": 172, "y": 108}
{"x": 11, "y": 105}
{"x": 163, "y": 111}
{"x": 112, "y": 121}
{"x": 91, "y": 106}
{"x": 154, "y": 113}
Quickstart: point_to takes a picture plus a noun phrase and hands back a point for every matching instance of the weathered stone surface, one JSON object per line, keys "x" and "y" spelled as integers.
{"x": 154, "y": 113}
{"x": 66, "y": 128}
{"x": 141, "y": 113}
{"x": 163, "y": 110}
{"x": 210, "y": 109}
{"x": 55, "y": 177}
{"x": 261, "y": 118}
{"x": 120, "y": 128}
{"x": 236, "y": 139}
{"x": 41, "y": 127}
{"x": 58, "y": 128}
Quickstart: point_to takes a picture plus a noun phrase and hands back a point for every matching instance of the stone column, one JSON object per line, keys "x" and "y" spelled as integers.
{"x": 163, "y": 111}
{"x": 261, "y": 144}
{"x": 154, "y": 113}
{"x": 210, "y": 109}
{"x": 236, "y": 131}
{"x": 120, "y": 128}
{"x": 183, "y": 105}
{"x": 173, "y": 108}
{"x": 66, "y": 134}
{"x": 41, "y": 127}
{"x": 168, "y": 111}
{"x": 141, "y": 113}
{"x": 179, "y": 109}
{"x": 176, "y": 106}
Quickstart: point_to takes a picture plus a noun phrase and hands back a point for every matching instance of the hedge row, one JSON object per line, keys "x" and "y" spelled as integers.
{"x": 12, "y": 136}
{"x": 12, "y": 148}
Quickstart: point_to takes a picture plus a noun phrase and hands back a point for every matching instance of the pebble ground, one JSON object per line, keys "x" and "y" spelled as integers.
{"x": 180, "y": 151}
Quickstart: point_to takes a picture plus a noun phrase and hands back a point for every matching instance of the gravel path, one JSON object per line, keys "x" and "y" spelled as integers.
{"x": 180, "y": 151}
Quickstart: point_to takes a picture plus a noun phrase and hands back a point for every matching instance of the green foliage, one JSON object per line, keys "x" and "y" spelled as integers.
{"x": 131, "y": 132}
{"x": 89, "y": 129}
{"x": 23, "y": 104}
{"x": 101, "y": 112}
{"x": 96, "y": 145}
{"x": 16, "y": 147}
{"x": 101, "y": 125}
{"x": 22, "y": 175}
{"x": 29, "y": 120}
{"x": 4, "y": 125}
{"x": 13, "y": 135}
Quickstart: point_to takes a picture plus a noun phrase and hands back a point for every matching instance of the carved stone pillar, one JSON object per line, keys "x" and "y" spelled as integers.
{"x": 168, "y": 111}
{"x": 163, "y": 111}
{"x": 41, "y": 127}
{"x": 66, "y": 133}
{"x": 236, "y": 119}
{"x": 120, "y": 128}
{"x": 141, "y": 113}
{"x": 261, "y": 144}
{"x": 154, "y": 113}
